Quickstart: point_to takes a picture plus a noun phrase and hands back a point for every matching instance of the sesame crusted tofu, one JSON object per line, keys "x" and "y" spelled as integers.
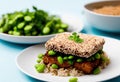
{"x": 87, "y": 48}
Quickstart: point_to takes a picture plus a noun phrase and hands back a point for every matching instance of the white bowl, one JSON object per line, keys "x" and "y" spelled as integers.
{"x": 103, "y": 22}
{"x": 75, "y": 25}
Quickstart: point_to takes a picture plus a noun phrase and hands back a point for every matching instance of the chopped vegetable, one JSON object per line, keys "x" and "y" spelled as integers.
{"x": 31, "y": 23}
{"x": 75, "y": 38}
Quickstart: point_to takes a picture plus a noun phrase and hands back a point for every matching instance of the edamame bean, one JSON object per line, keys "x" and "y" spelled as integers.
{"x": 65, "y": 58}
{"x": 40, "y": 55}
{"x": 27, "y": 18}
{"x": 16, "y": 33}
{"x": 70, "y": 57}
{"x": 1, "y": 30}
{"x": 74, "y": 79}
{"x": 57, "y": 26}
{"x": 37, "y": 65}
{"x": 11, "y": 22}
{"x": 96, "y": 71}
{"x": 21, "y": 25}
{"x": 79, "y": 60}
{"x": 27, "y": 28}
{"x": 60, "y": 59}
{"x": 46, "y": 30}
{"x": 15, "y": 28}
{"x": 41, "y": 68}
{"x": 24, "y": 21}
{"x": 54, "y": 66}
{"x": 51, "y": 52}
{"x": 34, "y": 33}
{"x": 97, "y": 56}
{"x": 60, "y": 30}
{"x": 10, "y": 32}
{"x": 64, "y": 26}
{"x": 39, "y": 60}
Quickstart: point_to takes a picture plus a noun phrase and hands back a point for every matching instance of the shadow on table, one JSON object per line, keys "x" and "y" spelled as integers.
{"x": 92, "y": 30}
{"x": 15, "y": 45}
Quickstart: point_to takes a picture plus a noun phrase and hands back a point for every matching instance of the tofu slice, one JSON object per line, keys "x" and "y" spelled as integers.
{"x": 87, "y": 48}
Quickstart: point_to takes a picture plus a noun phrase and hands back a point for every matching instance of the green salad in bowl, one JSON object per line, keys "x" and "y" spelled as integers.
{"x": 31, "y": 23}
{"x": 36, "y": 26}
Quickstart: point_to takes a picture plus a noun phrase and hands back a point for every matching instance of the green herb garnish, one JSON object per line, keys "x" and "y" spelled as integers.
{"x": 75, "y": 38}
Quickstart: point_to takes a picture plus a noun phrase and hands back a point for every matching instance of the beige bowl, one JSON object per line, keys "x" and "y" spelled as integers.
{"x": 110, "y": 23}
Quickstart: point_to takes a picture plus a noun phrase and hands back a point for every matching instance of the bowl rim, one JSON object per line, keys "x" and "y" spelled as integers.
{"x": 90, "y": 11}
{"x": 42, "y": 36}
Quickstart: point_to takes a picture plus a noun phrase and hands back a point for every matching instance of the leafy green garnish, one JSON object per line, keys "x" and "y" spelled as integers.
{"x": 75, "y": 38}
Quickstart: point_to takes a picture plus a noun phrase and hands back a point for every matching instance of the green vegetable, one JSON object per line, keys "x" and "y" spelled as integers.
{"x": 54, "y": 66}
{"x": 27, "y": 18}
{"x": 97, "y": 56}
{"x": 60, "y": 59}
{"x": 10, "y": 32}
{"x": 16, "y": 33}
{"x": 28, "y": 28}
{"x": 74, "y": 79}
{"x": 34, "y": 33}
{"x": 37, "y": 65}
{"x": 21, "y": 25}
{"x": 40, "y": 68}
{"x": 1, "y": 30}
{"x": 46, "y": 30}
{"x": 65, "y": 58}
{"x": 64, "y": 26}
{"x": 96, "y": 71}
{"x": 39, "y": 60}
{"x": 70, "y": 57}
{"x": 40, "y": 55}
{"x": 51, "y": 52}
{"x": 75, "y": 38}
{"x": 60, "y": 30}
{"x": 79, "y": 60}
{"x": 70, "y": 62}
{"x": 31, "y": 23}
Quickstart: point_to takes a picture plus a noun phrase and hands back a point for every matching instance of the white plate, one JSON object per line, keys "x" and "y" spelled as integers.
{"x": 75, "y": 25}
{"x": 27, "y": 59}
